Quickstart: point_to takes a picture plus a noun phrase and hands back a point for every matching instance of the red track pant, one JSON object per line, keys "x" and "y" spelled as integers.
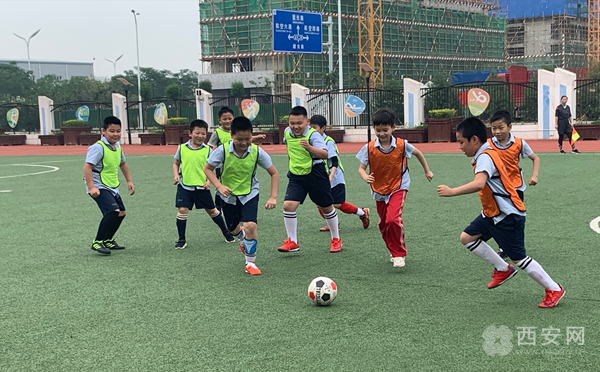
{"x": 390, "y": 223}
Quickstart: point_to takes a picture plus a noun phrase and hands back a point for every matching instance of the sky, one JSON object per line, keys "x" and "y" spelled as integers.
{"x": 92, "y": 30}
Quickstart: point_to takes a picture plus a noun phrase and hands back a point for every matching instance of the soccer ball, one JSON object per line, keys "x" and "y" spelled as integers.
{"x": 322, "y": 291}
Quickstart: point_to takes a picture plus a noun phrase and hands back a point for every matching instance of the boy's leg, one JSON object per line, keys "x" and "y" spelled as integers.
{"x": 109, "y": 242}
{"x": 203, "y": 199}
{"x": 392, "y": 230}
{"x": 560, "y": 140}
{"x": 474, "y": 238}
{"x": 184, "y": 201}
{"x": 319, "y": 190}
{"x": 294, "y": 196}
{"x": 248, "y": 214}
{"x": 232, "y": 214}
{"x": 110, "y": 211}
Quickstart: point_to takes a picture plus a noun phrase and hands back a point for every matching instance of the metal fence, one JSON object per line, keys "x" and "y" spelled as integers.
{"x": 67, "y": 111}
{"x": 520, "y": 99}
{"x": 588, "y": 99}
{"x": 272, "y": 108}
{"x": 28, "y": 117}
{"x": 331, "y": 105}
{"x": 185, "y": 108}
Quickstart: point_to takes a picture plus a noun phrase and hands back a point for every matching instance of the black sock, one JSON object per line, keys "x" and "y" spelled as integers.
{"x": 105, "y": 224}
{"x": 114, "y": 227}
{"x": 218, "y": 219}
{"x": 181, "y": 228}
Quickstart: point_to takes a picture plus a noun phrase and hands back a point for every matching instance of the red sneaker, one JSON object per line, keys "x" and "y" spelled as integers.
{"x": 289, "y": 246}
{"x": 326, "y": 228}
{"x": 252, "y": 269}
{"x": 552, "y": 297}
{"x": 365, "y": 218}
{"x": 336, "y": 245}
{"x": 499, "y": 277}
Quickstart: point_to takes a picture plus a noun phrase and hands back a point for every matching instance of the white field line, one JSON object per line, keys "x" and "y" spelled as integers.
{"x": 52, "y": 169}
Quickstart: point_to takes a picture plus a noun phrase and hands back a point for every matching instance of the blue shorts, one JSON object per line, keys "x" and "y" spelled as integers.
{"x": 109, "y": 202}
{"x": 187, "y": 199}
{"x": 316, "y": 184}
{"x": 338, "y": 193}
{"x": 234, "y": 214}
{"x": 508, "y": 233}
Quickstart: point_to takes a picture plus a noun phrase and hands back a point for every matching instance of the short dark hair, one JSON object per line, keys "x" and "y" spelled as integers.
{"x": 241, "y": 124}
{"x": 198, "y": 123}
{"x": 111, "y": 120}
{"x": 472, "y": 127}
{"x": 318, "y": 120}
{"x": 561, "y": 97}
{"x": 299, "y": 110}
{"x": 384, "y": 116}
{"x": 224, "y": 110}
{"x": 501, "y": 115}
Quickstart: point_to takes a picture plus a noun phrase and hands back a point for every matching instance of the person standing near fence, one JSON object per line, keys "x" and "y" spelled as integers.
{"x": 564, "y": 124}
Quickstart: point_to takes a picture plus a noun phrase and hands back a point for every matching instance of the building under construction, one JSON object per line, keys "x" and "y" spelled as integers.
{"x": 398, "y": 38}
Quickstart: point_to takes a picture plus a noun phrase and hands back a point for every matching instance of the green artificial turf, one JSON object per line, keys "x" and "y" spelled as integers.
{"x": 153, "y": 308}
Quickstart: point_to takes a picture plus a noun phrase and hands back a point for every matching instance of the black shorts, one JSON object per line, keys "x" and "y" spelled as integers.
{"x": 108, "y": 202}
{"x": 316, "y": 184}
{"x": 508, "y": 233}
{"x": 338, "y": 193}
{"x": 234, "y": 214}
{"x": 202, "y": 199}
{"x": 564, "y": 128}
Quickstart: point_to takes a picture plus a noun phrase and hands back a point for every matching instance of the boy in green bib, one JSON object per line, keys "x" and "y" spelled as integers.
{"x": 192, "y": 186}
{"x": 238, "y": 186}
{"x": 307, "y": 176}
{"x": 101, "y": 175}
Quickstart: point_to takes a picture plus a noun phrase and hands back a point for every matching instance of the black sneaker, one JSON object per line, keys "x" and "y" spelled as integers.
{"x": 575, "y": 151}
{"x": 112, "y": 245}
{"x": 562, "y": 151}
{"x": 228, "y": 237}
{"x": 99, "y": 247}
{"x": 180, "y": 244}
{"x": 502, "y": 254}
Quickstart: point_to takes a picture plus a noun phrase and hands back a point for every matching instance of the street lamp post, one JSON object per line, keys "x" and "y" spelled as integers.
{"x": 127, "y": 85}
{"x": 137, "y": 44}
{"x": 368, "y": 69}
{"x": 27, "y": 43}
{"x": 114, "y": 63}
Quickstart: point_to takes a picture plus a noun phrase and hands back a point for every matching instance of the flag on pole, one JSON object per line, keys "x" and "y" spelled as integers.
{"x": 574, "y": 136}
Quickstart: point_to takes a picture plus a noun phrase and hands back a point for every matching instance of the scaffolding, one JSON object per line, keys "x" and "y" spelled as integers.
{"x": 547, "y": 42}
{"x": 417, "y": 39}
{"x": 593, "y": 31}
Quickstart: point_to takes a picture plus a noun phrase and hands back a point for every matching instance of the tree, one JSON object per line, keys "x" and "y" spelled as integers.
{"x": 237, "y": 89}
{"x": 16, "y": 83}
{"x": 206, "y": 85}
{"x": 173, "y": 91}
{"x": 355, "y": 80}
{"x": 187, "y": 81}
{"x": 331, "y": 79}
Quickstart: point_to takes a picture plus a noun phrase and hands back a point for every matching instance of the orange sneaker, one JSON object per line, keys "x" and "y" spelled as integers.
{"x": 365, "y": 218}
{"x": 552, "y": 297}
{"x": 326, "y": 228}
{"x": 289, "y": 246}
{"x": 499, "y": 277}
{"x": 252, "y": 269}
{"x": 336, "y": 245}
{"x": 242, "y": 247}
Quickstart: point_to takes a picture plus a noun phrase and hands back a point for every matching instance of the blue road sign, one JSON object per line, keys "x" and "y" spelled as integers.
{"x": 297, "y": 32}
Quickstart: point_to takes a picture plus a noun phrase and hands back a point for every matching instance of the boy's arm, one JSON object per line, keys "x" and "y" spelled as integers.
{"x": 368, "y": 178}
{"x": 536, "y": 168}
{"x": 176, "y": 165}
{"x": 319, "y": 153}
{"x": 89, "y": 180}
{"x": 272, "y": 202}
{"x": 421, "y": 159}
{"x": 125, "y": 171}
{"x": 258, "y": 139}
{"x": 209, "y": 170}
{"x": 474, "y": 186}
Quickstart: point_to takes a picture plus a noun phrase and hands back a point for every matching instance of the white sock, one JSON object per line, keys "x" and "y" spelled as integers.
{"x": 291, "y": 223}
{"x": 332, "y": 222}
{"x": 537, "y": 273}
{"x": 360, "y": 212}
{"x": 483, "y": 250}
{"x": 250, "y": 259}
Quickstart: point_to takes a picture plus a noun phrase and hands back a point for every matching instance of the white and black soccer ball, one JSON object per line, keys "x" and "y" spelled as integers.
{"x": 322, "y": 291}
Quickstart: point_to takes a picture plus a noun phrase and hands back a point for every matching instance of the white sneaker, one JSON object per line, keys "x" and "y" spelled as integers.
{"x": 398, "y": 261}
{"x": 391, "y": 258}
